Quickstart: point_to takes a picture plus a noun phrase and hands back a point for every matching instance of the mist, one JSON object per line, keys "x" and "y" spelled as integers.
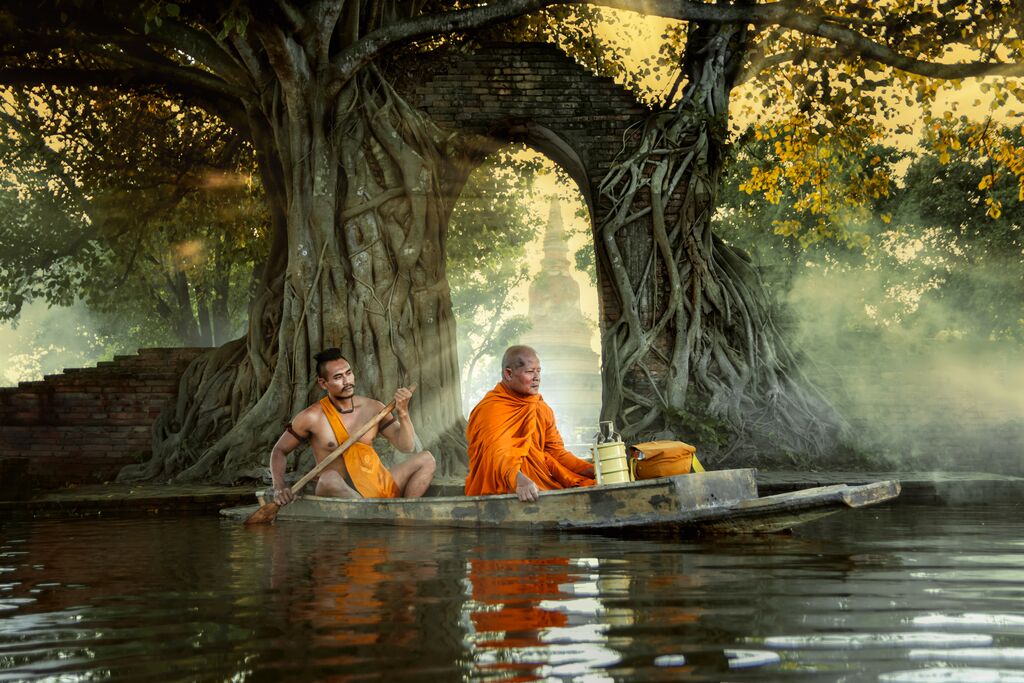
{"x": 918, "y": 394}
{"x": 45, "y": 340}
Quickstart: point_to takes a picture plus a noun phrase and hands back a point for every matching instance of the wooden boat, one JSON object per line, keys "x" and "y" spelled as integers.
{"x": 723, "y": 501}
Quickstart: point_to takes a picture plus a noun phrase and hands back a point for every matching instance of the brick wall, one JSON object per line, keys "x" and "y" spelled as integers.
{"x": 535, "y": 94}
{"x": 83, "y": 425}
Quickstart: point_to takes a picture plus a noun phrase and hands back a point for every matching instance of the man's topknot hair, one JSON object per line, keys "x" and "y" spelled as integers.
{"x": 325, "y": 357}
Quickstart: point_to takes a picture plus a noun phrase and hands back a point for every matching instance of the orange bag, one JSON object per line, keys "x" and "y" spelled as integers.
{"x": 663, "y": 459}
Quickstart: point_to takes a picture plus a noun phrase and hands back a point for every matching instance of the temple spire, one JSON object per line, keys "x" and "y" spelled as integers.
{"x": 561, "y": 335}
{"x": 556, "y": 250}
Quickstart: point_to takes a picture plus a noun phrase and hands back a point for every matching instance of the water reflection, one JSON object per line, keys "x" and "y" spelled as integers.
{"x": 901, "y": 594}
{"x": 524, "y": 618}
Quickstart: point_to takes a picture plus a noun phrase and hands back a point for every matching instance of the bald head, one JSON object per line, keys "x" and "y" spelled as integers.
{"x": 517, "y": 356}
{"x": 520, "y": 370}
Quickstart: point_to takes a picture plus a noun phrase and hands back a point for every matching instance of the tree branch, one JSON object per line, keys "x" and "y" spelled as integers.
{"x": 179, "y": 79}
{"x": 204, "y": 48}
{"x": 356, "y": 56}
{"x": 286, "y": 58}
{"x": 814, "y": 54}
{"x": 821, "y": 25}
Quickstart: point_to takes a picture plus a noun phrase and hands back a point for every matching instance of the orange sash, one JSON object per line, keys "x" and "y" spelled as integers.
{"x": 369, "y": 476}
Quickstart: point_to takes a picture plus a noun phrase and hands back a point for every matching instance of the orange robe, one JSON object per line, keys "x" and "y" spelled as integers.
{"x": 510, "y": 433}
{"x": 368, "y": 474}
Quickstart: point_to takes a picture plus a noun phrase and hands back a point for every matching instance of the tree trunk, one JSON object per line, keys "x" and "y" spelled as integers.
{"x": 189, "y": 328}
{"x": 691, "y": 348}
{"x": 219, "y": 297}
{"x": 359, "y": 215}
{"x": 204, "y": 318}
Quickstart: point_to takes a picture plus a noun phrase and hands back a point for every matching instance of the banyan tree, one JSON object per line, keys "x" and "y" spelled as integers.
{"x": 360, "y": 185}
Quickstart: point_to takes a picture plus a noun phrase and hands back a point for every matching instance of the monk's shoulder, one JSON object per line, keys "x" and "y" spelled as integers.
{"x": 544, "y": 410}
{"x": 368, "y": 403}
{"x": 308, "y": 421}
{"x": 308, "y": 416}
{"x": 486, "y": 405}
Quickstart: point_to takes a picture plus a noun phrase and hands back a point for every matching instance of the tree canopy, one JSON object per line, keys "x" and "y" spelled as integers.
{"x": 143, "y": 209}
{"x": 358, "y": 186}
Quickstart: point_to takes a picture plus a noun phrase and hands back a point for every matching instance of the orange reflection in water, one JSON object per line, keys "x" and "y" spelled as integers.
{"x": 514, "y": 589}
{"x": 347, "y": 595}
{"x": 506, "y": 610}
{"x": 359, "y": 598}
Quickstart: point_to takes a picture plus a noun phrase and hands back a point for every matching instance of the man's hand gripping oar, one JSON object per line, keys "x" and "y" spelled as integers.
{"x": 268, "y": 511}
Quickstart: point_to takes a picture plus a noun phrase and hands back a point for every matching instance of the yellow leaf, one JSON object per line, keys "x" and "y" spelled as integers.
{"x": 944, "y": 158}
{"x": 995, "y": 208}
{"x": 886, "y": 217}
{"x": 986, "y": 182}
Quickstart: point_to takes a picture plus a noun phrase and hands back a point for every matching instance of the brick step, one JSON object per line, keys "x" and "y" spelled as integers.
{"x": 85, "y": 424}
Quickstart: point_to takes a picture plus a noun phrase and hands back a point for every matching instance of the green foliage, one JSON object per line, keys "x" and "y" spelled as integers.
{"x": 488, "y": 232}
{"x": 144, "y": 210}
{"x": 931, "y": 258}
{"x": 974, "y": 259}
{"x": 46, "y": 341}
{"x": 154, "y": 12}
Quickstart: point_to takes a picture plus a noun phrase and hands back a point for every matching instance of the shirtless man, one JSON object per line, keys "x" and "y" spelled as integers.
{"x": 358, "y": 472}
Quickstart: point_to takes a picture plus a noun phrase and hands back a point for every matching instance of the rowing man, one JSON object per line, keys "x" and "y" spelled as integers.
{"x": 358, "y": 473}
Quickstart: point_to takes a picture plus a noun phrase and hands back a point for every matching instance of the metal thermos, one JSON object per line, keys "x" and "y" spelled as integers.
{"x": 609, "y": 452}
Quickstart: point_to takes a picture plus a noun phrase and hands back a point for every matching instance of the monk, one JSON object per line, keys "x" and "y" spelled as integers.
{"x": 513, "y": 443}
{"x": 326, "y": 424}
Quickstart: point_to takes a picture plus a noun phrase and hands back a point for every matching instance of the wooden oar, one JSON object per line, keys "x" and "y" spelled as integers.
{"x": 268, "y": 511}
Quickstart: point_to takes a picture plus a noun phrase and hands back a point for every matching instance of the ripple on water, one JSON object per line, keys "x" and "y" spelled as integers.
{"x": 584, "y": 633}
{"x": 198, "y": 600}
{"x": 1013, "y": 655}
{"x": 747, "y": 659}
{"x": 670, "y": 660}
{"x": 7, "y": 604}
{"x": 859, "y": 641}
{"x": 964, "y": 675}
{"x": 972, "y": 620}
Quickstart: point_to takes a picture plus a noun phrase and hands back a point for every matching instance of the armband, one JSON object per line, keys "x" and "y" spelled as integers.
{"x": 387, "y": 423}
{"x": 288, "y": 428}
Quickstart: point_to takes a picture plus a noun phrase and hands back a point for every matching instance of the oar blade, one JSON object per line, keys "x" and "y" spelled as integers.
{"x": 266, "y": 514}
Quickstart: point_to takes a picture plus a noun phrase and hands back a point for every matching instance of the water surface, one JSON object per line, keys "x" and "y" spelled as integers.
{"x": 897, "y": 593}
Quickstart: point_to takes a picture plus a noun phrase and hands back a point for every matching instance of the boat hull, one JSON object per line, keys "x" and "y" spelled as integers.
{"x": 723, "y": 501}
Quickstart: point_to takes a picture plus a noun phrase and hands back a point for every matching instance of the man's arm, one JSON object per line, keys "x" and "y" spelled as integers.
{"x": 400, "y": 432}
{"x": 509, "y": 463}
{"x": 526, "y": 488}
{"x": 291, "y": 439}
{"x": 571, "y": 462}
{"x": 555, "y": 447}
{"x": 494, "y": 465}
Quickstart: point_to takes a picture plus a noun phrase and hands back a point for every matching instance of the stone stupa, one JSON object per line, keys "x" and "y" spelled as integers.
{"x": 570, "y": 369}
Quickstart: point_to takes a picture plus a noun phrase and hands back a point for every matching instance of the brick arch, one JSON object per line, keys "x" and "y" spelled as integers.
{"x": 535, "y": 94}
{"x": 551, "y": 145}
